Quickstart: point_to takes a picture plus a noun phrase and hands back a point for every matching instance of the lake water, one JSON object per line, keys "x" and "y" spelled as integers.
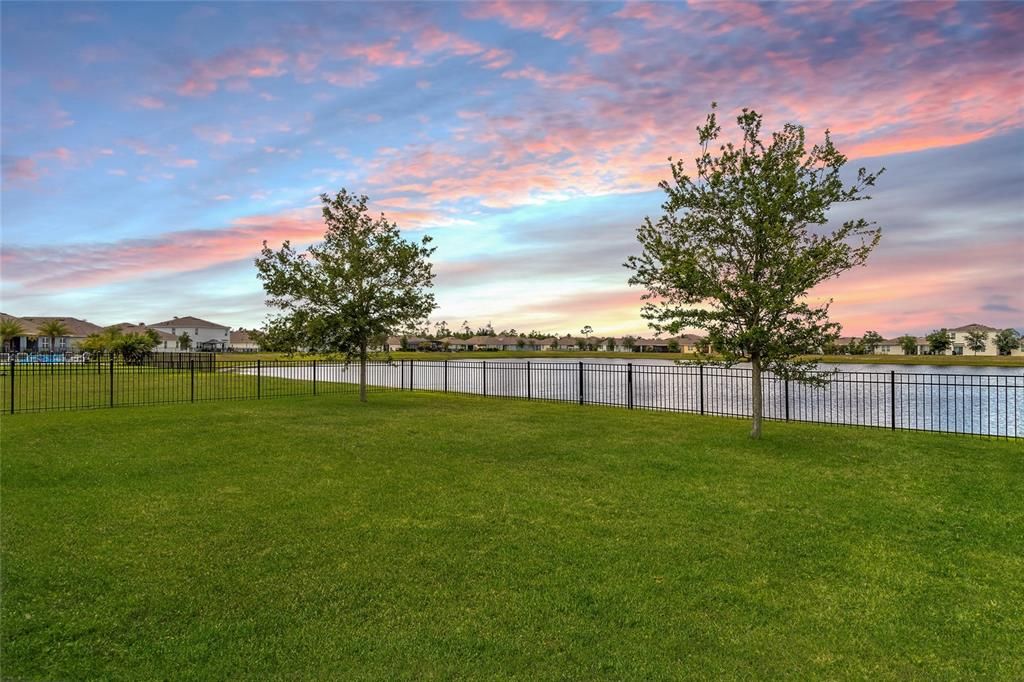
{"x": 974, "y": 400}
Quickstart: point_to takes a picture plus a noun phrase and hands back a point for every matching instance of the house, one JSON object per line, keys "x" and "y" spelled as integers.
{"x": 77, "y": 331}
{"x": 960, "y": 338}
{"x": 204, "y": 335}
{"x": 240, "y": 342}
{"x": 690, "y": 343}
{"x": 393, "y": 343}
{"x": 26, "y": 341}
{"x": 166, "y": 343}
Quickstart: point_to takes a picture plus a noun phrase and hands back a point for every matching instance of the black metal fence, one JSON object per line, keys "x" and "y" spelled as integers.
{"x": 980, "y": 404}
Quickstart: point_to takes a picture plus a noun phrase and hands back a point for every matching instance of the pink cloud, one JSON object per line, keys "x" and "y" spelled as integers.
{"x": 21, "y": 170}
{"x": 149, "y": 102}
{"x": 91, "y": 264}
{"x": 239, "y": 65}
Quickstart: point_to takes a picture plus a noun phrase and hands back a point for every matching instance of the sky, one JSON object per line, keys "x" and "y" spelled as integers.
{"x": 149, "y": 148}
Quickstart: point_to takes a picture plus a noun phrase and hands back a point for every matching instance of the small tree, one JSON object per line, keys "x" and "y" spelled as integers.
{"x": 53, "y": 330}
{"x": 977, "y": 340}
{"x": 134, "y": 347}
{"x": 870, "y": 341}
{"x": 360, "y": 282}
{"x": 939, "y": 341}
{"x": 1007, "y": 341}
{"x": 741, "y": 245}
{"x": 10, "y": 329}
{"x": 673, "y": 346}
{"x": 185, "y": 341}
{"x": 909, "y": 344}
{"x": 610, "y": 345}
{"x": 629, "y": 342}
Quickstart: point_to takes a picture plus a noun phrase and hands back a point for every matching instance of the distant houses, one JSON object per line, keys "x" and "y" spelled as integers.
{"x": 206, "y": 336}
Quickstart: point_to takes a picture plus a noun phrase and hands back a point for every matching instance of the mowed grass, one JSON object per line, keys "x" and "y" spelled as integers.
{"x": 426, "y": 536}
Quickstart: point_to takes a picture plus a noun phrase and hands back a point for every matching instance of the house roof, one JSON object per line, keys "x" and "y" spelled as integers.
{"x": 189, "y": 321}
{"x": 974, "y": 326}
{"x": 240, "y": 336}
{"x": 76, "y": 327}
{"x": 410, "y": 340}
{"x": 29, "y": 328}
{"x": 128, "y": 328}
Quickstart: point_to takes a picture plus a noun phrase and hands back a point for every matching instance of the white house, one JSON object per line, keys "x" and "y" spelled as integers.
{"x": 205, "y": 336}
{"x": 959, "y": 335}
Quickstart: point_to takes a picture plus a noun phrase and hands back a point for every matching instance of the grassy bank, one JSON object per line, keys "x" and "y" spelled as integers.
{"x": 434, "y": 536}
{"x": 922, "y": 360}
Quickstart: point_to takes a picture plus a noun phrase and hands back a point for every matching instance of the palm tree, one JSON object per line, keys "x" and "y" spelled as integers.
{"x": 53, "y": 330}
{"x": 10, "y": 329}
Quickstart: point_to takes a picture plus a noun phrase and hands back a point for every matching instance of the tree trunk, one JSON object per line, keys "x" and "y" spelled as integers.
{"x": 362, "y": 373}
{"x": 757, "y": 400}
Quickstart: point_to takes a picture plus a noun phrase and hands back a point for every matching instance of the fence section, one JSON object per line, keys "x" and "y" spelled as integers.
{"x": 982, "y": 404}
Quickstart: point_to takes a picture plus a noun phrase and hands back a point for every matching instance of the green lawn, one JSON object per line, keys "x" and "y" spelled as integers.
{"x": 426, "y": 536}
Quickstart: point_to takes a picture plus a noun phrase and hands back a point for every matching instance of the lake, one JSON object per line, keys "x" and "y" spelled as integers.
{"x": 972, "y": 400}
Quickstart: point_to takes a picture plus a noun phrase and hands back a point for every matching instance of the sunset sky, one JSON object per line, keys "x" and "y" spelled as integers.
{"x": 149, "y": 148}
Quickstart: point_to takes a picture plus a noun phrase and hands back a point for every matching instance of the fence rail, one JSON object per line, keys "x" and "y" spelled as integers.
{"x": 979, "y": 404}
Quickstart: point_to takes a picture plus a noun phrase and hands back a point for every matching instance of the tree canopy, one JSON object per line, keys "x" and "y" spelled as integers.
{"x": 744, "y": 240}
{"x": 363, "y": 281}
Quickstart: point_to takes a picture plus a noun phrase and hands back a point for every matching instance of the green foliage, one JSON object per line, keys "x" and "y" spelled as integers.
{"x": 185, "y": 341}
{"x": 909, "y": 344}
{"x": 939, "y": 341}
{"x": 673, "y": 346}
{"x": 629, "y": 342}
{"x": 362, "y": 281}
{"x": 976, "y": 340}
{"x": 53, "y": 330}
{"x": 742, "y": 243}
{"x": 10, "y": 329}
{"x": 1007, "y": 340}
{"x": 870, "y": 341}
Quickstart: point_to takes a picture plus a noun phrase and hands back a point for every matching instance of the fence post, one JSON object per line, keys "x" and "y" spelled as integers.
{"x": 12, "y": 386}
{"x": 111, "y": 380}
{"x": 412, "y": 366}
{"x": 259, "y": 379}
{"x": 581, "y": 382}
{"x": 445, "y": 376}
{"x": 529, "y": 386}
{"x": 192, "y": 374}
{"x": 485, "y": 376}
{"x": 787, "y": 398}
{"x": 629, "y": 385}
{"x": 892, "y": 396}
{"x": 314, "y": 377}
{"x": 401, "y": 375}
{"x": 702, "y": 389}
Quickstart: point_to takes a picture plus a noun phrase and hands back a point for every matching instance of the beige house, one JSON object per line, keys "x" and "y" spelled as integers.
{"x": 239, "y": 341}
{"x": 959, "y": 335}
{"x": 77, "y": 331}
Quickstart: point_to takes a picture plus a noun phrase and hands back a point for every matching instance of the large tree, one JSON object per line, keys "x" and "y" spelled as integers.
{"x": 977, "y": 340}
{"x": 744, "y": 240}
{"x": 871, "y": 341}
{"x": 1007, "y": 341}
{"x": 362, "y": 281}
{"x": 939, "y": 341}
{"x": 909, "y": 344}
